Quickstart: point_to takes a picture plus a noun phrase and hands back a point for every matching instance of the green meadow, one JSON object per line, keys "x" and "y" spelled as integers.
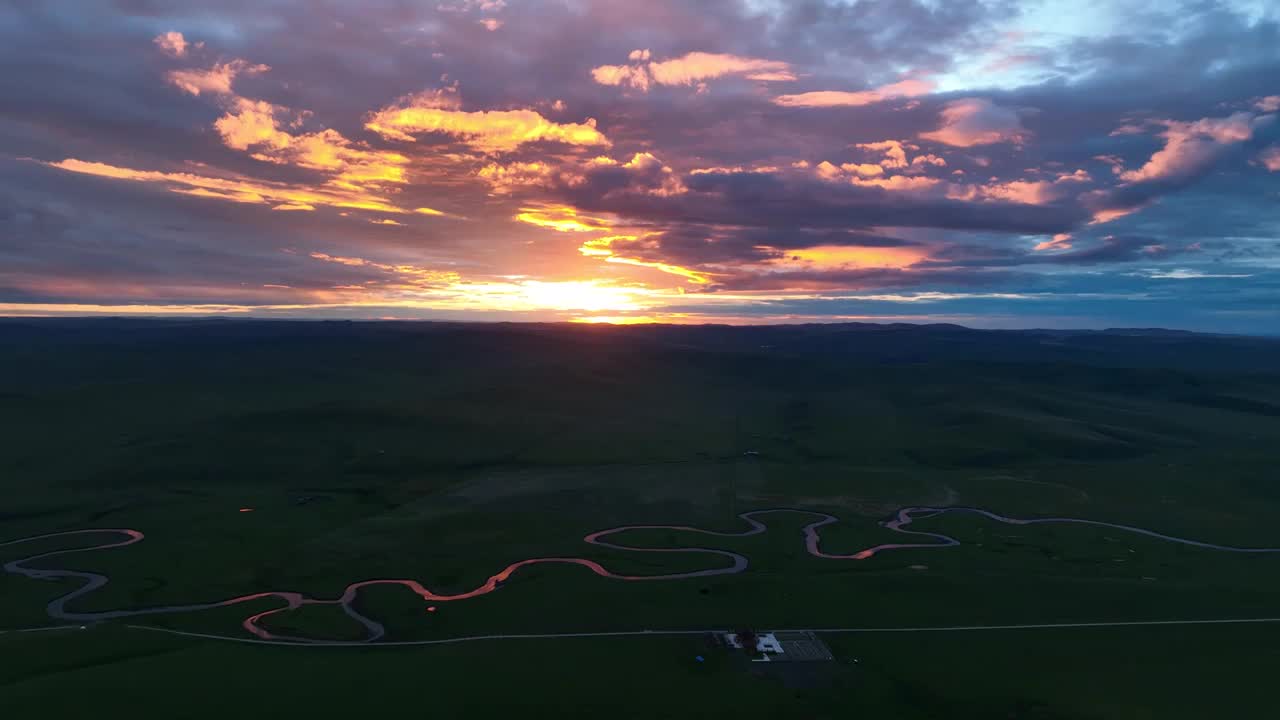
{"x": 306, "y": 456}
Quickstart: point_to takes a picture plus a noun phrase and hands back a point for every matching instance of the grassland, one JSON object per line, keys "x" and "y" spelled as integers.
{"x": 443, "y": 453}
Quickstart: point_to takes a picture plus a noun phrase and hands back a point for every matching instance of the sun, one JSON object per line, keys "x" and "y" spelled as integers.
{"x": 586, "y": 295}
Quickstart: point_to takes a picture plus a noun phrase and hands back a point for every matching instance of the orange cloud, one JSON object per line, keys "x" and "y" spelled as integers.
{"x": 602, "y": 248}
{"x": 505, "y": 178}
{"x": 839, "y": 98}
{"x": 844, "y": 256}
{"x": 216, "y": 80}
{"x": 689, "y": 70}
{"x": 827, "y": 170}
{"x": 486, "y": 130}
{"x": 253, "y": 125}
{"x": 562, "y": 218}
{"x": 234, "y": 188}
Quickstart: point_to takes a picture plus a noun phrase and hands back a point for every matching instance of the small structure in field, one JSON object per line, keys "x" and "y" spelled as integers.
{"x": 761, "y": 644}
{"x": 780, "y": 646}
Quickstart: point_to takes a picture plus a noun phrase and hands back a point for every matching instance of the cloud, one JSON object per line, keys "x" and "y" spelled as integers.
{"x": 604, "y": 249}
{"x": 895, "y": 154}
{"x": 1033, "y": 192}
{"x": 893, "y": 157}
{"x": 977, "y": 121}
{"x": 1270, "y": 158}
{"x": 1191, "y": 151}
{"x": 688, "y": 70}
{"x": 1120, "y": 249}
{"x": 484, "y": 130}
{"x": 233, "y": 188}
{"x": 715, "y": 188}
{"x": 562, "y": 218}
{"x": 844, "y": 257}
{"x": 216, "y": 80}
{"x": 253, "y": 125}
{"x": 490, "y": 24}
{"x": 899, "y": 183}
{"x": 644, "y": 172}
{"x": 1061, "y": 241}
{"x": 505, "y": 178}
{"x": 1190, "y": 148}
{"x": 1187, "y": 274}
{"x": 721, "y": 256}
{"x": 839, "y": 98}
{"x": 172, "y": 44}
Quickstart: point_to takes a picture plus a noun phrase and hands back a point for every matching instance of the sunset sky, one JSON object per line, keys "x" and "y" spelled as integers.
{"x": 1065, "y": 163}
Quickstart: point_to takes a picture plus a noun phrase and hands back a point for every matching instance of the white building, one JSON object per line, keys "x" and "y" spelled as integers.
{"x": 766, "y": 643}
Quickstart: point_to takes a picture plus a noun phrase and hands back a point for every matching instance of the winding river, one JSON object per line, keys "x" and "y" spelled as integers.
{"x": 899, "y": 523}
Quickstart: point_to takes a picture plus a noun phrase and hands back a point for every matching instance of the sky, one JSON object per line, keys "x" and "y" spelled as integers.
{"x": 992, "y": 163}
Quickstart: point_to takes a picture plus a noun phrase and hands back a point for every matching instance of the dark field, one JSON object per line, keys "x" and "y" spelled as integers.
{"x": 443, "y": 453}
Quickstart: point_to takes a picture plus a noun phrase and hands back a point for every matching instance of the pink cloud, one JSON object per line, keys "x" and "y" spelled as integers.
{"x": 899, "y": 183}
{"x": 1192, "y": 146}
{"x": 1061, "y": 241}
{"x": 977, "y": 121}
{"x": 1268, "y": 104}
{"x": 895, "y": 155}
{"x": 172, "y": 44}
{"x": 920, "y": 163}
{"x": 1270, "y": 158}
{"x": 1077, "y": 176}
{"x": 839, "y": 98}
{"x": 688, "y": 70}
{"x": 863, "y": 169}
{"x": 1038, "y": 192}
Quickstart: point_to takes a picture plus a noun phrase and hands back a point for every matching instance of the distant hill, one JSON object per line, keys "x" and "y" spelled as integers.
{"x": 857, "y": 343}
